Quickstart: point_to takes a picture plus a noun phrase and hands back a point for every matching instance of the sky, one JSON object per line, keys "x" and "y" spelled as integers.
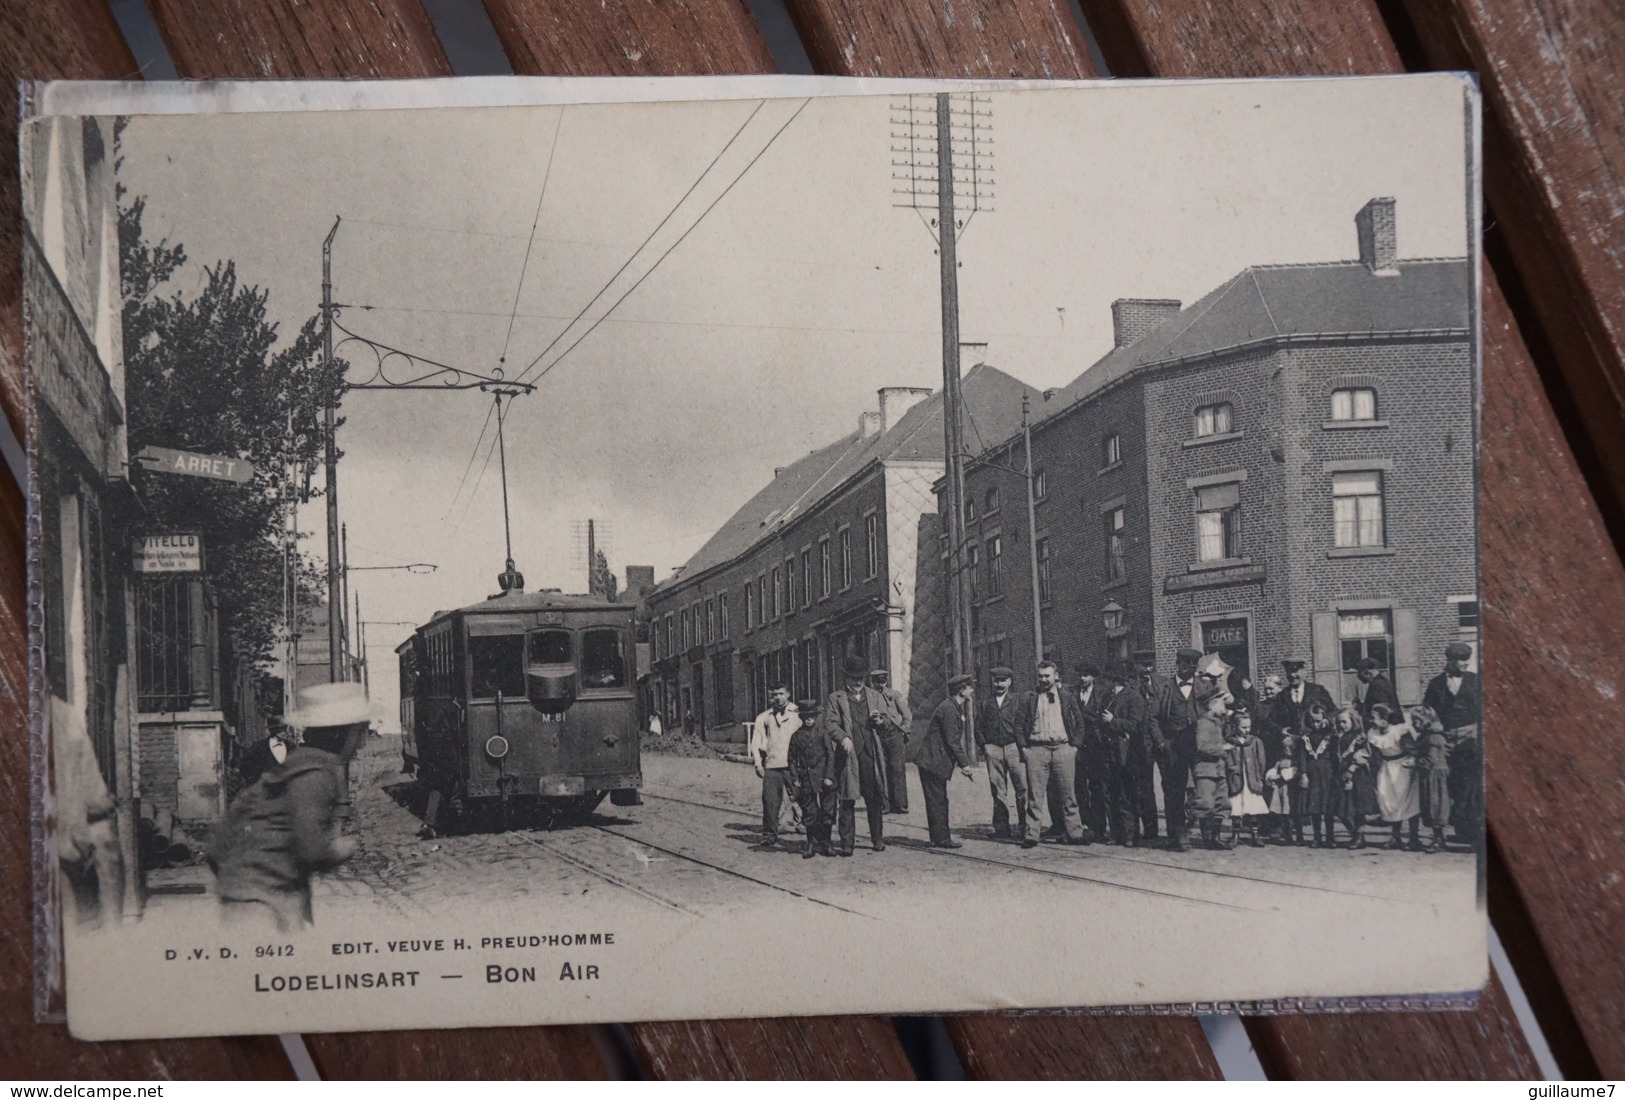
{"x": 788, "y": 288}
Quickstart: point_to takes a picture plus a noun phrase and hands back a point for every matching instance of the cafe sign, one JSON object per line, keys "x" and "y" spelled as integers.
{"x": 171, "y": 553}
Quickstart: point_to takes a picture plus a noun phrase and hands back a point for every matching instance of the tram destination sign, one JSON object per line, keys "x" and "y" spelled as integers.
{"x": 220, "y": 467}
{"x": 176, "y": 552}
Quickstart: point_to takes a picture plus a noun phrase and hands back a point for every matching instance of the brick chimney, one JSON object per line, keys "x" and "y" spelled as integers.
{"x": 868, "y": 424}
{"x": 1379, "y": 243}
{"x": 1132, "y": 318}
{"x": 897, "y": 400}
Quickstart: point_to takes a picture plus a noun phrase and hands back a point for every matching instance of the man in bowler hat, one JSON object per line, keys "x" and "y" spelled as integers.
{"x": 940, "y": 754}
{"x": 1148, "y": 685}
{"x": 853, "y": 719}
{"x": 1174, "y": 741}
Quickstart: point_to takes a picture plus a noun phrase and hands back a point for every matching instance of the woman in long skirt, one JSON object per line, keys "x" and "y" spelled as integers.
{"x": 1433, "y": 773}
{"x": 1399, "y": 797}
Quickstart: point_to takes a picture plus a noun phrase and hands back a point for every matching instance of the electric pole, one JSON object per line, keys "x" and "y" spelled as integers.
{"x": 953, "y": 447}
{"x": 1032, "y": 530}
{"x": 335, "y": 604}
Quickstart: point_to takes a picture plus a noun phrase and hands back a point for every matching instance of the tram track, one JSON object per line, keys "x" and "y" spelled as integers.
{"x": 598, "y": 872}
{"x": 1009, "y": 865}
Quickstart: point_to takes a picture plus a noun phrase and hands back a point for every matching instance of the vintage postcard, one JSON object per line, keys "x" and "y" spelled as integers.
{"x": 756, "y": 554}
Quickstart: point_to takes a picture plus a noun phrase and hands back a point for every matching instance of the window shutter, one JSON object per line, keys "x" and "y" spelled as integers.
{"x": 1327, "y": 658}
{"x": 1407, "y": 658}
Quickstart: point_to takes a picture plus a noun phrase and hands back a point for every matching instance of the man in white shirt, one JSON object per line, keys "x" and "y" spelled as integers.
{"x": 769, "y": 750}
{"x": 1054, "y": 731}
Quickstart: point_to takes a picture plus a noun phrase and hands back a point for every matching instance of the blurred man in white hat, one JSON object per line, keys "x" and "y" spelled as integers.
{"x": 282, "y": 829}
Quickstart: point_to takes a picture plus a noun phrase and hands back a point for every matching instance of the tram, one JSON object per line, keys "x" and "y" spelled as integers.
{"x": 524, "y": 703}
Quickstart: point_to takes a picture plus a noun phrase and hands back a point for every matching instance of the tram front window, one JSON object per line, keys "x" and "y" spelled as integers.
{"x": 603, "y": 659}
{"x": 496, "y": 664}
{"x": 549, "y": 647}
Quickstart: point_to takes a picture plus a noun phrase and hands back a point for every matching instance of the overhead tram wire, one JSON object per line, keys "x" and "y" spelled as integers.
{"x": 471, "y": 457}
{"x": 468, "y": 503}
{"x": 645, "y": 244}
{"x": 671, "y": 249}
{"x": 529, "y": 245}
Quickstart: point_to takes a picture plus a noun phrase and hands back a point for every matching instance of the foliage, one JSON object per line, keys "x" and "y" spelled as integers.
{"x": 203, "y": 372}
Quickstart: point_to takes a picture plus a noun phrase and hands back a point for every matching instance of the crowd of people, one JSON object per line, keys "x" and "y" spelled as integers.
{"x": 1082, "y": 763}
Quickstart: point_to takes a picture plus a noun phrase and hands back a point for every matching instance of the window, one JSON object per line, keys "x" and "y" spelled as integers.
{"x": 991, "y": 504}
{"x": 823, "y": 567}
{"x": 1363, "y": 634}
{"x": 995, "y": 565}
{"x": 846, "y": 557}
{"x": 1111, "y": 450}
{"x": 603, "y": 659}
{"x": 686, "y": 640}
{"x": 750, "y": 603}
{"x": 1467, "y": 615}
{"x": 973, "y": 565}
{"x": 778, "y": 602}
{"x": 722, "y": 615}
{"x": 871, "y": 543}
{"x": 1043, "y": 570}
{"x": 1116, "y": 566}
{"x": 1218, "y": 522}
{"x": 496, "y": 665}
{"x": 1213, "y": 420}
{"x": 670, "y": 636}
{"x": 762, "y": 598}
{"x": 1357, "y": 509}
{"x": 1039, "y": 486}
{"x": 1354, "y": 404}
{"x": 806, "y": 578}
{"x": 710, "y": 621}
{"x": 970, "y": 509}
{"x": 790, "y": 585}
{"x": 549, "y": 647}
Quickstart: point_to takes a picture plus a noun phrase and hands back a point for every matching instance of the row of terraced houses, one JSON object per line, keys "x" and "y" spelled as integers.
{"x": 1284, "y": 467}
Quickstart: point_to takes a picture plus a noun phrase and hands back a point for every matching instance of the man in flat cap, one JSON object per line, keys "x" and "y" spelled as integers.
{"x": 940, "y": 754}
{"x": 853, "y": 719}
{"x": 1000, "y": 733}
{"x": 1291, "y": 707}
{"x": 1457, "y": 698}
{"x": 894, "y": 737}
{"x": 1149, "y": 686}
{"x": 812, "y": 772}
{"x": 1054, "y": 730}
{"x": 1126, "y": 751}
{"x": 1375, "y": 687}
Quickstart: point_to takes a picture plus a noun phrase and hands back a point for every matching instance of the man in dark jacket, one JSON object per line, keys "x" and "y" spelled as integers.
{"x": 1292, "y": 705}
{"x": 1457, "y": 698}
{"x": 853, "y": 719}
{"x": 1377, "y": 688}
{"x": 999, "y": 732}
{"x": 940, "y": 754}
{"x": 1091, "y": 769}
{"x": 282, "y": 829}
{"x": 1174, "y": 742}
{"x": 1148, "y": 685}
{"x": 812, "y": 771}
{"x": 1054, "y": 731}
{"x": 1125, "y": 750}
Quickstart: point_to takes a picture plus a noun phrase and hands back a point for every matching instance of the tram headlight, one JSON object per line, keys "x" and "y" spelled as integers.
{"x": 496, "y": 747}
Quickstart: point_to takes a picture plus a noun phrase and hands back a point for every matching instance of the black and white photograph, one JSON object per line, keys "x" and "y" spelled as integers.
{"x": 600, "y": 561}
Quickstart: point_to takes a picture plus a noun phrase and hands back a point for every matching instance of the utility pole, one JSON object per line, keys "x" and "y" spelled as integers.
{"x": 953, "y": 446}
{"x": 592, "y": 557}
{"x": 344, "y": 575}
{"x": 335, "y": 604}
{"x": 1032, "y": 530}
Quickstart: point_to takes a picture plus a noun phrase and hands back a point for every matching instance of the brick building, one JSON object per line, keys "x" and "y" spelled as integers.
{"x": 823, "y": 562}
{"x": 1286, "y": 466}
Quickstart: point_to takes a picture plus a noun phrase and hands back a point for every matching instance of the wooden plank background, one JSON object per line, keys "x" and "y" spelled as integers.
{"x": 1553, "y": 593}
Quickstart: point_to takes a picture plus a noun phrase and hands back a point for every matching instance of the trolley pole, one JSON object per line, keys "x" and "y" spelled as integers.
{"x": 1032, "y": 531}
{"x": 335, "y": 599}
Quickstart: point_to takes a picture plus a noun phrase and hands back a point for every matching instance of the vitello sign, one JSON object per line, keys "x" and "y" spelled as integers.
{"x": 172, "y": 553}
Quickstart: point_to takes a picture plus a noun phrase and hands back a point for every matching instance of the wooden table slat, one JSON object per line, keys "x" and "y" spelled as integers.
{"x": 796, "y": 1048}
{"x": 1105, "y": 1048}
{"x": 57, "y": 39}
{"x": 1553, "y": 588}
{"x": 629, "y": 37}
{"x": 1554, "y": 173}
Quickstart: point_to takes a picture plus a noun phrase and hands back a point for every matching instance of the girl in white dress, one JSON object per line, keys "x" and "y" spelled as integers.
{"x": 1399, "y": 798}
{"x": 1245, "y": 766}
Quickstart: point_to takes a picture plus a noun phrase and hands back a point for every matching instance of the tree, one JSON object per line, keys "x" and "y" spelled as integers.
{"x": 205, "y": 373}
